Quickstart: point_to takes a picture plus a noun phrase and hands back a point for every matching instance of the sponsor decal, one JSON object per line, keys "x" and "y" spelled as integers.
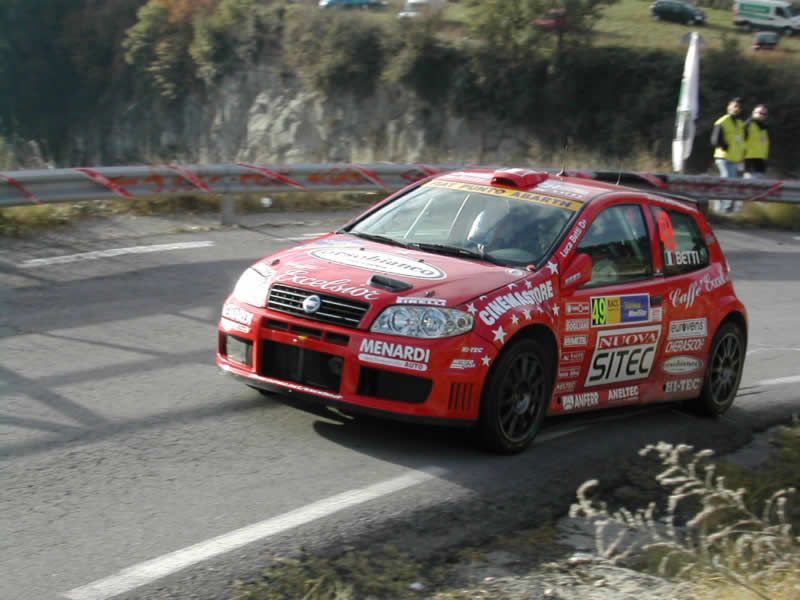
{"x": 576, "y": 340}
{"x": 236, "y": 313}
{"x": 680, "y": 365}
{"x": 502, "y": 304}
{"x": 462, "y": 363}
{"x": 564, "y": 189}
{"x": 396, "y": 355}
{"x": 508, "y": 193}
{"x": 578, "y": 308}
{"x": 472, "y": 349}
{"x": 569, "y": 372}
{"x": 573, "y": 356}
{"x": 682, "y": 257}
{"x": 694, "y": 345}
{"x": 565, "y": 386}
{"x": 336, "y": 286}
{"x": 572, "y": 278}
{"x": 624, "y": 394}
{"x": 688, "y": 328}
{"x": 422, "y": 301}
{"x": 677, "y": 386}
{"x": 614, "y": 310}
{"x": 578, "y": 401}
{"x": 380, "y": 262}
{"x": 623, "y": 355}
{"x": 577, "y": 325}
{"x": 573, "y": 238}
{"x": 656, "y": 314}
{"x": 706, "y": 284}
{"x": 229, "y": 325}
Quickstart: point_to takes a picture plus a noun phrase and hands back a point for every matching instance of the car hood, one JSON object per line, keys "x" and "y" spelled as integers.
{"x": 345, "y": 266}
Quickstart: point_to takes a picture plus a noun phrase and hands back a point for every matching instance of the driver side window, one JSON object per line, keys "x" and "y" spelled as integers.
{"x": 619, "y": 245}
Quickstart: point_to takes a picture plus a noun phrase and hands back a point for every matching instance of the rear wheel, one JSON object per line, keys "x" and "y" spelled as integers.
{"x": 515, "y": 398}
{"x": 724, "y": 371}
{"x": 788, "y": 31}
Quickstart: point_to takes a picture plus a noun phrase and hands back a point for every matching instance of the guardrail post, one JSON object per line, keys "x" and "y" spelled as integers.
{"x": 227, "y": 209}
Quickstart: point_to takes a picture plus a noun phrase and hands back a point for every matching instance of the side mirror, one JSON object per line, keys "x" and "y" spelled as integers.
{"x": 578, "y": 273}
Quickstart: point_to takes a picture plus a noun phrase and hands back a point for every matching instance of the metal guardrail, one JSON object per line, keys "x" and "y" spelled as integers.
{"x": 69, "y": 185}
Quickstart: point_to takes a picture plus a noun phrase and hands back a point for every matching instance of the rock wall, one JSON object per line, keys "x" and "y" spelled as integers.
{"x": 266, "y": 116}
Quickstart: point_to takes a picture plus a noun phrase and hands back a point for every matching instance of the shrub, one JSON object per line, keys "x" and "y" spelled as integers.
{"x": 334, "y": 53}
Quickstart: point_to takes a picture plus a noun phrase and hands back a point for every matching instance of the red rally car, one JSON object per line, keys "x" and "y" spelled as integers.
{"x": 493, "y": 298}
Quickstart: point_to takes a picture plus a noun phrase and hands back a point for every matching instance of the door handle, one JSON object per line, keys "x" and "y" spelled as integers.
{"x": 656, "y": 300}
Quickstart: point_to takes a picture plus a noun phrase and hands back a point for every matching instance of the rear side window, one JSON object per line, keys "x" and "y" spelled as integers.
{"x": 619, "y": 245}
{"x": 682, "y": 246}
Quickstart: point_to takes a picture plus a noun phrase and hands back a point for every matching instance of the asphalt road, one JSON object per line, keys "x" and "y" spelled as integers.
{"x": 120, "y": 442}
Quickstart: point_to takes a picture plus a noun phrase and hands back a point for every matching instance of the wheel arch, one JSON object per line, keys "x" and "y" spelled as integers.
{"x": 540, "y": 332}
{"x": 737, "y": 318}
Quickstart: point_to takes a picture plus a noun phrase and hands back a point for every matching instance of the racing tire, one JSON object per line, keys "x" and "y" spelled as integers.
{"x": 788, "y": 31}
{"x": 748, "y": 27}
{"x": 724, "y": 372}
{"x": 515, "y": 398}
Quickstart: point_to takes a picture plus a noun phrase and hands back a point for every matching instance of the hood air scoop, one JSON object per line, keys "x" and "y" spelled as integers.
{"x": 389, "y": 284}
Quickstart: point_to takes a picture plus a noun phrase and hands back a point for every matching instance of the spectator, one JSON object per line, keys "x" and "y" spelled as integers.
{"x": 756, "y": 145}
{"x": 727, "y": 137}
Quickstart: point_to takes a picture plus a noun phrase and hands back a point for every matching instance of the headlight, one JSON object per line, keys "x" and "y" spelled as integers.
{"x": 253, "y": 286}
{"x": 423, "y": 322}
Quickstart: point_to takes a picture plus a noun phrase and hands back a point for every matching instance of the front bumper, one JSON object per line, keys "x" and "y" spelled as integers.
{"x": 412, "y": 379}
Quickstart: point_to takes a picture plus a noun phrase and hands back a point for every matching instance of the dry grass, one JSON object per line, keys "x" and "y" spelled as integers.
{"x": 19, "y": 221}
{"x": 721, "y": 530}
{"x": 784, "y": 216}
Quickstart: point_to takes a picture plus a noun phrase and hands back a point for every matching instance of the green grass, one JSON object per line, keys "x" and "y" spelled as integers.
{"x": 628, "y": 23}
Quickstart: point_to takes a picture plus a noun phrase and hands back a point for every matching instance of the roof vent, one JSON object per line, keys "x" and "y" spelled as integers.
{"x": 519, "y": 178}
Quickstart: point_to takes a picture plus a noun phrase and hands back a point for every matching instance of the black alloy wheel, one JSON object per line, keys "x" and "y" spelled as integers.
{"x": 515, "y": 398}
{"x": 724, "y": 371}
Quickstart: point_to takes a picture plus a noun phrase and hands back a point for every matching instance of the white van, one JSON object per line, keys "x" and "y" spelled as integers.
{"x": 779, "y": 15}
{"x": 415, "y": 9}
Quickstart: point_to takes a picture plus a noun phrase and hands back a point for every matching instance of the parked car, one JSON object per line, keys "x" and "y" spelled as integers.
{"x": 352, "y": 4}
{"x": 491, "y": 298}
{"x": 677, "y": 11}
{"x": 765, "y": 40}
{"x": 775, "y": 15}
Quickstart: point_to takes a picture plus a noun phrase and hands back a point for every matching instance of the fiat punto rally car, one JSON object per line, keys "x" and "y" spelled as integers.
{"x": 493, "y": 298}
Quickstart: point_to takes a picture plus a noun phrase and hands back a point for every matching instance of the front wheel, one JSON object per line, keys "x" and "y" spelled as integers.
{"x": 515, "y": 398}
{"x": 724, "y": 371}
{"x": 788, "y": 31}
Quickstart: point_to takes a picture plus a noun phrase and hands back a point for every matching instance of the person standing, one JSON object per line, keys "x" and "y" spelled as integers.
{"x": 727, "y": 137}
{"x": 756, "y": 144}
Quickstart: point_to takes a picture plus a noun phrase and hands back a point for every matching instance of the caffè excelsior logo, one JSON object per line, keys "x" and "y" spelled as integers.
{"x": 382, "y": 262}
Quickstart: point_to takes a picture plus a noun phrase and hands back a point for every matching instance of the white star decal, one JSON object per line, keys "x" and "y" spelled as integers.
{"x": 500, "y": 335}
{"x": 515, "y": 319}
{"x": 528, "y": 284}
{"x": 511, "y": 286}
{"x": 556, "y": 309}
{"x": 471, "y": 308}
{"x": 486, "y": 361}
{"x": 527, "y": 314}
{"x": 553, "y": 266}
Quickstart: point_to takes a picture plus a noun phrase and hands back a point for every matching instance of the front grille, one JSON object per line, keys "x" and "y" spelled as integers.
{"x": 333, "y": 309}
{"x": 301, "y": 365}
{"x": 389, "y": 385}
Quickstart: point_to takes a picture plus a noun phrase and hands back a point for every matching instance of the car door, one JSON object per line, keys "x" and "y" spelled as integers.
{"x": 685, "y": 267}
{"x": 612, "y": 325}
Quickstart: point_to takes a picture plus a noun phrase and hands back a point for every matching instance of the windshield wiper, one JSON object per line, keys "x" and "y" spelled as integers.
{"x": 454, "y": 251}
{"x": 373, "y": 237}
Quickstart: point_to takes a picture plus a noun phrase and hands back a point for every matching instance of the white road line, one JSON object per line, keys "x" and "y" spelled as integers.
{"x": 780, "y": 380}
{"x": 152, "y": 570}
{"x": 111, "y": 252}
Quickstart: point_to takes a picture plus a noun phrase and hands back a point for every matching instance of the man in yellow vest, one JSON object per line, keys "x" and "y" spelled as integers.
{"x": 727, "y": 137}
{"x": 756, "y": 143}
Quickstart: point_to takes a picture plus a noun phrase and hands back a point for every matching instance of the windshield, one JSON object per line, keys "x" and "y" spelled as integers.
{"x": 501, "y": 225}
